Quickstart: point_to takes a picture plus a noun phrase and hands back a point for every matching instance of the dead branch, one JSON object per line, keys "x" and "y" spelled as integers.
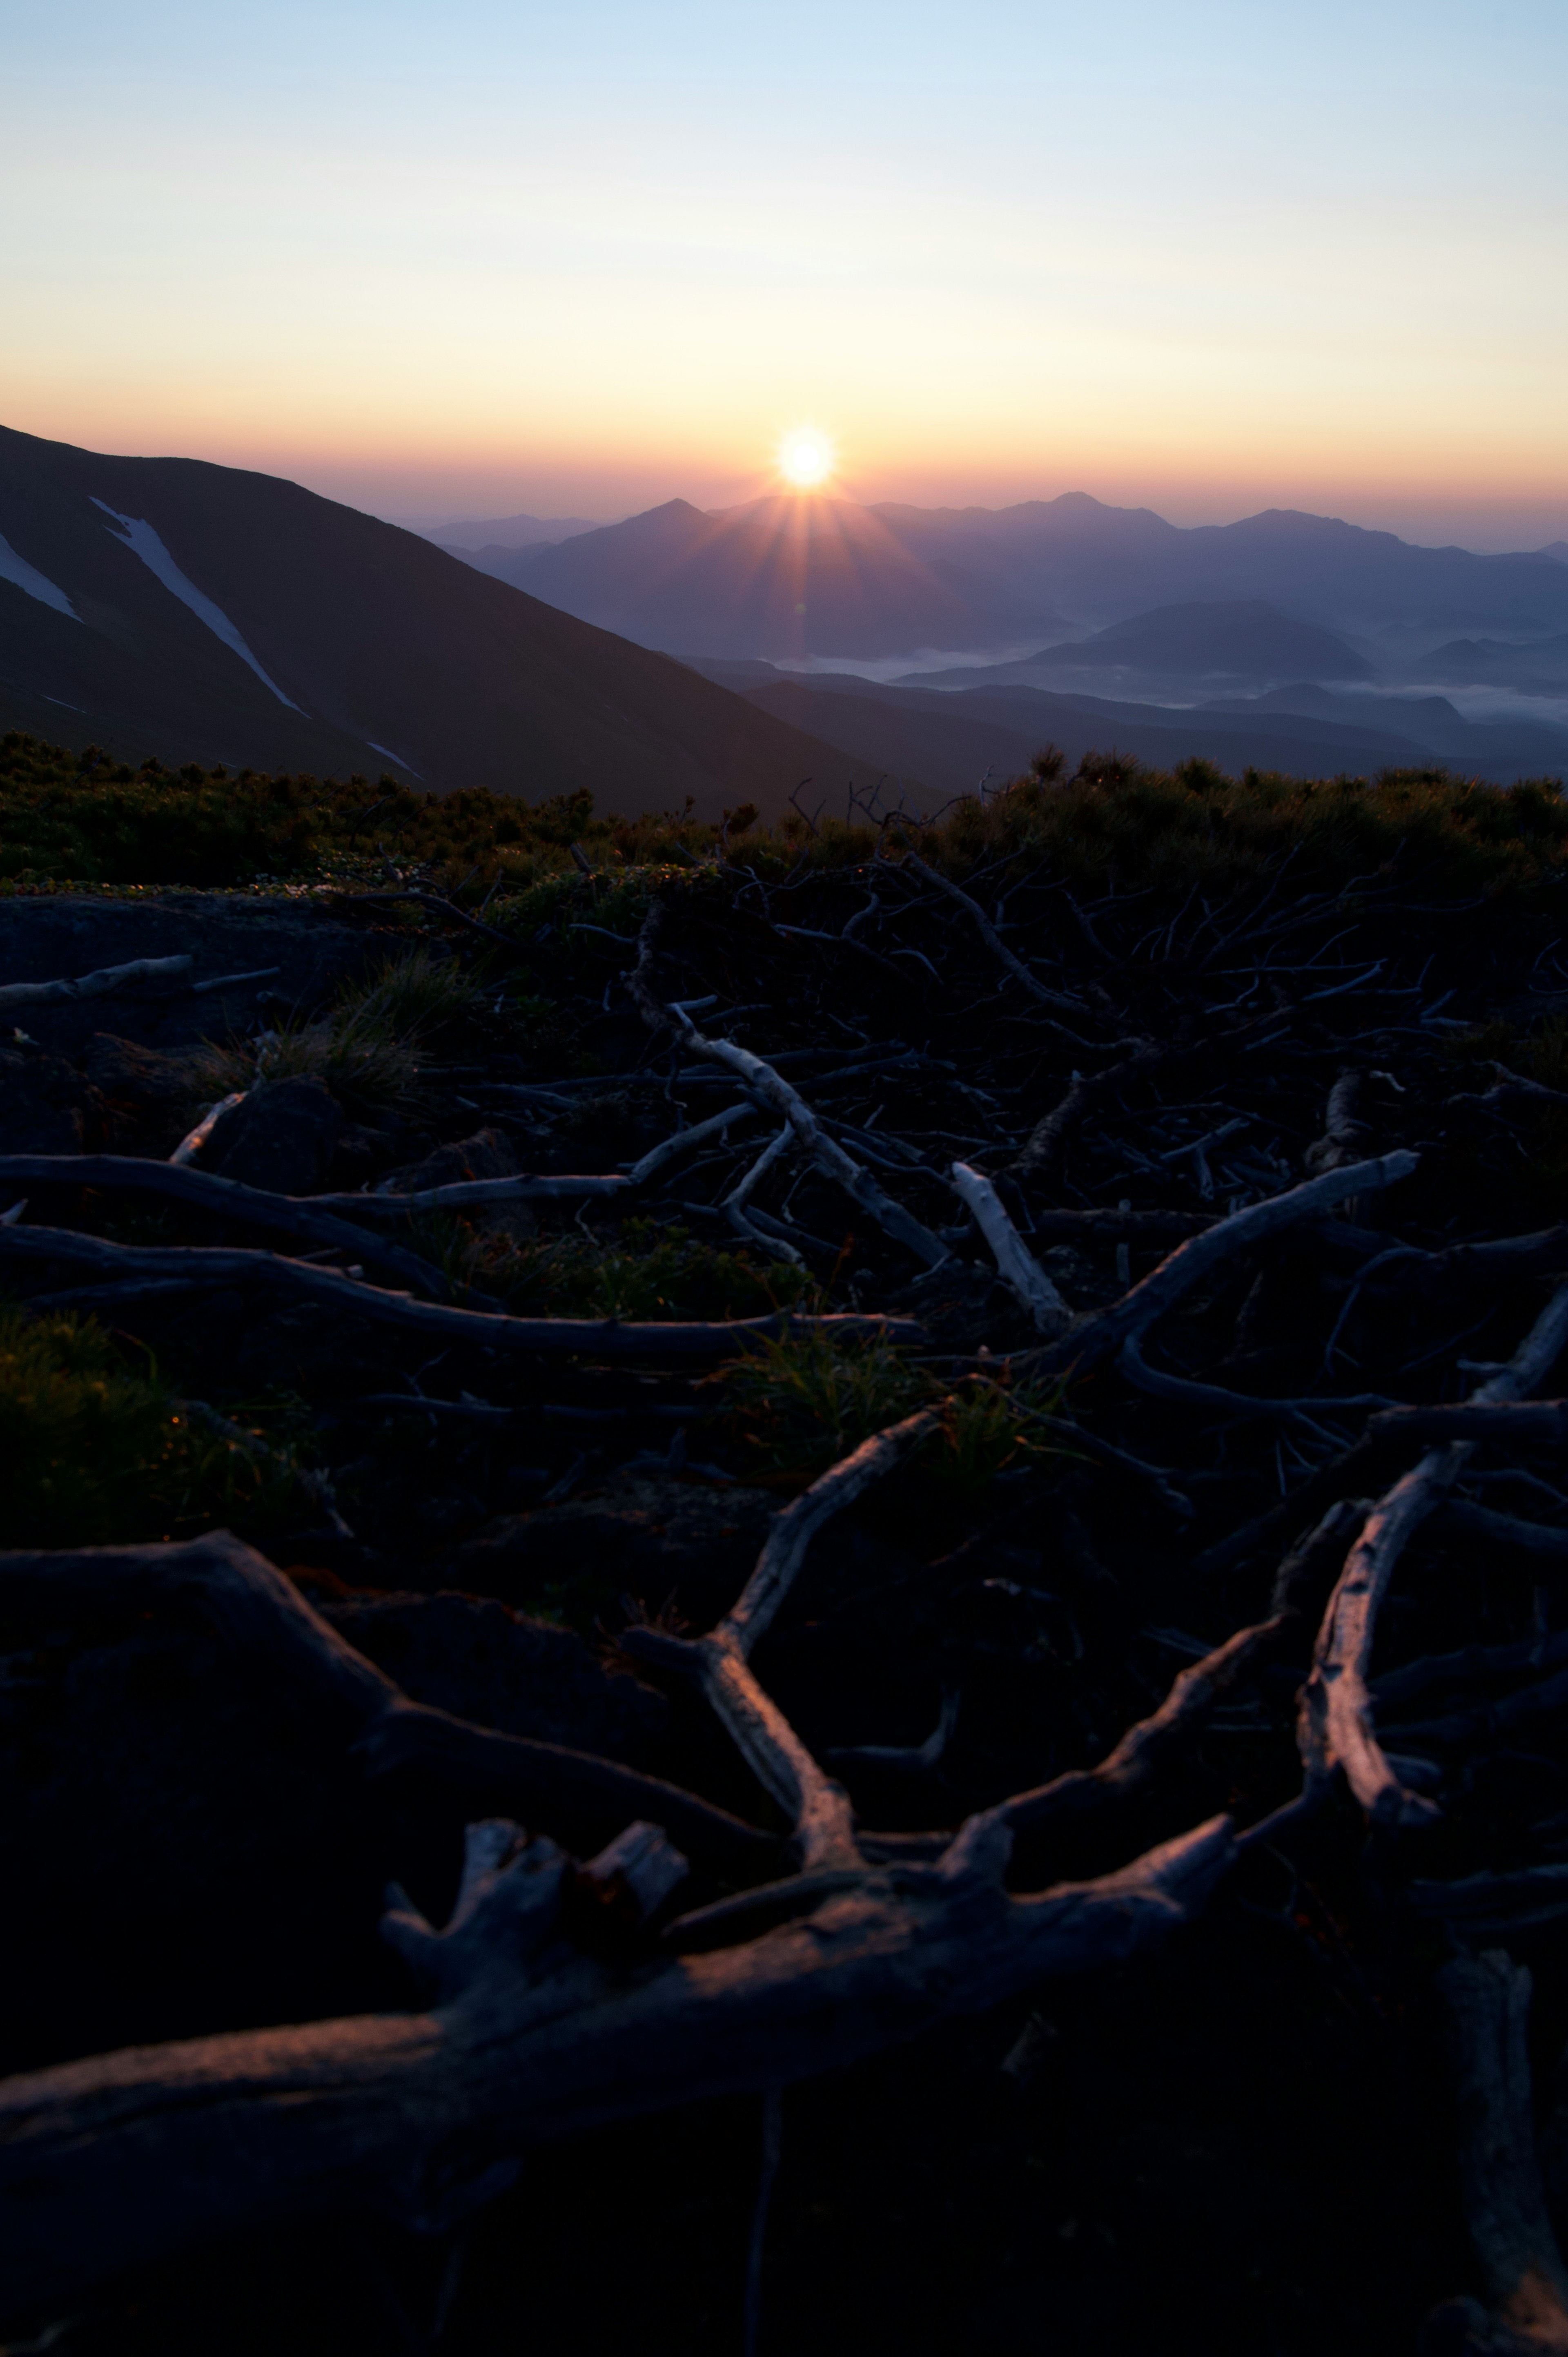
{"x": 469, "y": 1194}
{"x": 1099, "y": 1336}
{"x": 733, "y": 1205}
{"x": 1335, "y": 1716}
{"x": 1470, "y": 1665}
{"x": 1144, "y": 1750}
{"x": 1214, "y": 1399}
{"x": 1042, "y": 1156}
{"x": 1017, "y": 1264}
{"x": 1344, "y": 1138}
{"x": 259, "y": 1612}
{"x": 1504, "y": 1530}
{"x": 994, "y": 942}
{"x": 818, "y": 1808}
{"x": 424, "y": 2115}
{"x": 94, "y": 986}
{"x": 226, "y": 1198}
{"x": 598, "y": 1337}
{"x": 825, "y": 1151}
{"x": 1487, "y": 2003}
{"x": 1509, "y": 1423}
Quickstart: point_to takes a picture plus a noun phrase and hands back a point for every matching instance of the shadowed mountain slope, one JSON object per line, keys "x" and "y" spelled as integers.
{"x": 199, "y": 612}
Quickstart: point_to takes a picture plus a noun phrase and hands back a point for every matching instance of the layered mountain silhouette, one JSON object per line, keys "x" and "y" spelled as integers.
{"x": 199, "y": 612}
{"x": 953, "y": 737}
{"x": 782, "y": 578}
{"x": 1538, "y": 665}
{"x": 165, "y": 606}
{"x": 478, "y": 536}
{"x": 1240, "y": 639}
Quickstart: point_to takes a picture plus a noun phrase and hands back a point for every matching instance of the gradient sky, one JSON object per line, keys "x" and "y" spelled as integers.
{"x": 469, "y": 258}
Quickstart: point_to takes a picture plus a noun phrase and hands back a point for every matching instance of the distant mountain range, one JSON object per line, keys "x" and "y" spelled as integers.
{"x": 953, "y": 738}
{"x": 164, "y": 605}
{"x": 505, "y": 533}
{"x": 784, "y": 578}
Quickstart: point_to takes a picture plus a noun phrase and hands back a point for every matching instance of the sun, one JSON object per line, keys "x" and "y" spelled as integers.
{"x": 806, "y": 459}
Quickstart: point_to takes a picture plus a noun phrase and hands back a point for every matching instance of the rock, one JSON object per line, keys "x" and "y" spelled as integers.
{"x": 488, "y": 1154}
{"x": 298, "y": 952}
{"x": 472, "y": 1656}
{"x": 149, "y": 1095}
{"x": 662, "y": 1541}
{"x": 282, "y": 1138}
{"x": 963, "y": 1304}
{"x": 45, "y": 1106}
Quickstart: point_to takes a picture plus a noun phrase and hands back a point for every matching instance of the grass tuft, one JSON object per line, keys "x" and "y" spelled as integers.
{"x": 95, "y": 1452}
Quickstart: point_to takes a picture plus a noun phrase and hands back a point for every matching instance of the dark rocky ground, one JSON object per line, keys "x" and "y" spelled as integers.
{"x": 1244, "y": 2144}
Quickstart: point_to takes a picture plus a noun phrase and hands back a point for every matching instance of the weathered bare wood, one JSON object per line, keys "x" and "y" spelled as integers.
{"x": 733, "y": 1205}
{"x": 988, "y": 933}
{"x": 1477, "y": 1522}
{"x": 651, "y": 1344}
{"x": 825, "y": 1151}
{"x": 1063, "y": 1227}
{"x": 261, "y": 1612}
{"x": 226, "y": 1198}
{"x": 1099, "y": 1335}
{"x": 1487, "y": 2003}
{"x": 94, "y": 986}
{"x": 191, "y": 1144}
{"x": 1344, "y": 1138}
{"x": 1484, "y": 1722}
{"x": 818, "y": 1807}
{"x": 1509, "y": 1086}
{"x": 1144, "y": 1750}
{"x": 1507, "y": 1423}
{"x": 233, "y": 981}
{"x": 1336, "y": 1715}
{"x": 1468, "y": 1665}
{"x": 1493, "y": 1903}
{"x": 469, "y": 1194}
{"x": 1017, "y": 1264}
{"x": 1042, "y": 1156}
{"x": 424, "y": 2115}
{"x": 753, "y": 1611}
{"x": 1215, "y": 1399}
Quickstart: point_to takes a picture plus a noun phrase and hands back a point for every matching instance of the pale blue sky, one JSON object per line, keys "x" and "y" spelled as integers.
{"x": 1211, "y": 257}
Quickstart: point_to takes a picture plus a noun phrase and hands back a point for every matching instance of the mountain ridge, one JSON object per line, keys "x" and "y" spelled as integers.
{"x": 784, "y": 578}
{"x": 203, "y": 611}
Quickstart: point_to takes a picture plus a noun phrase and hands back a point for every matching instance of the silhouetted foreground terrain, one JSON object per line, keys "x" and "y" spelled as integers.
{"x": 922, "y": 1370}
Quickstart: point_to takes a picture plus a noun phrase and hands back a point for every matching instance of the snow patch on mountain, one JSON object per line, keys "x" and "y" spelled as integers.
{"x": 389, "y": 754}
{"x": 140, "y": 537}
{"x": 17, "y": 569}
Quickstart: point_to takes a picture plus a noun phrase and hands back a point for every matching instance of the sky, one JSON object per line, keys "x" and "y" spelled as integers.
{"x": 461, "y": 259}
